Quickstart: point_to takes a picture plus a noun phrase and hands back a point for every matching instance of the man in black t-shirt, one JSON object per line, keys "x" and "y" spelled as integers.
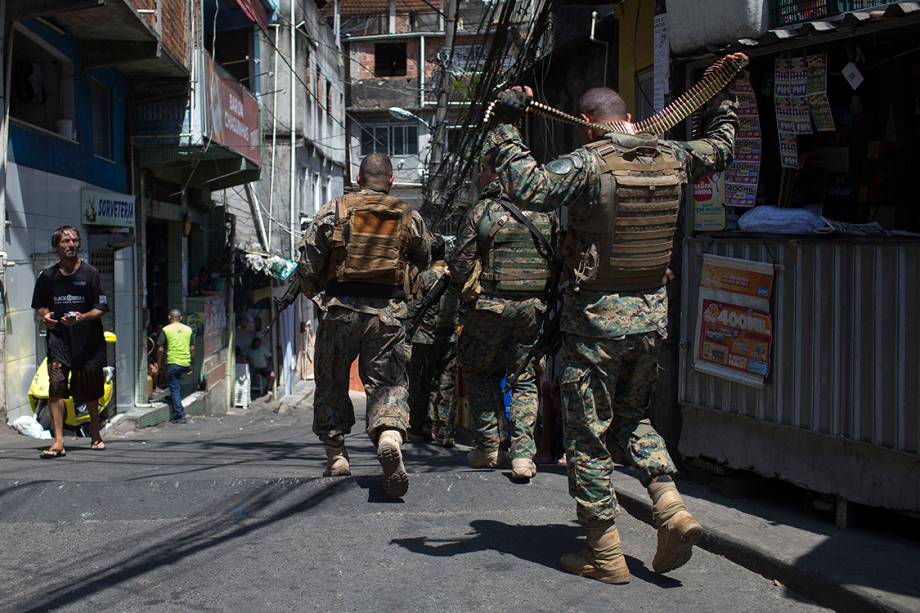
{"x": 69, "y": 299}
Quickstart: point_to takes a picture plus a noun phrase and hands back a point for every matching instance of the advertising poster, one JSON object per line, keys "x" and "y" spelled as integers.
{"x": 734, "y": 330}
{"x": 708, "y": 203}
{"x": 743, "y": 174}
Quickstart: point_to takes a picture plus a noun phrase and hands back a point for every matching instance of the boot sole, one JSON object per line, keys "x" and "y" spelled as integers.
{"x": 683, "y": 553}
{"x": 590, "y": 572}
{"x": 395, "y": 477}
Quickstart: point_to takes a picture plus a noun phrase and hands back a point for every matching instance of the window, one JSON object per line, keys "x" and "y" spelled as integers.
{"x": 390, "y": 59}
{"x": 391, "y": 139}
{"x": 102, "y": 120}
{"x": 425, "y": 22}
{"x": 41, "y": 86}
{"x": 328, "y": 97}
{"x": 233, "y": 53}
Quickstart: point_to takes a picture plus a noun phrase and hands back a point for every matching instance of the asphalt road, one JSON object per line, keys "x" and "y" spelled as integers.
{"x": 232, "y": 513}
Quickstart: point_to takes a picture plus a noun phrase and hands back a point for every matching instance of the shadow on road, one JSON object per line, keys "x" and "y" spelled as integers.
{"x": 538, "y": 544}
{"x": 273, "y": 503}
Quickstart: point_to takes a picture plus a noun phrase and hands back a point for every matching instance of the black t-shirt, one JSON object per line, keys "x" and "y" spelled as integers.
{"x": 81, "y": 345}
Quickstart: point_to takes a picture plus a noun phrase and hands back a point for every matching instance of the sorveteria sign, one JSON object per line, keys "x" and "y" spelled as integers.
{"x": 107, "y": 208}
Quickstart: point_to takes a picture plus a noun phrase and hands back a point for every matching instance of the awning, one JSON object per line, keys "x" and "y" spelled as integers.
{"x": 256, "y": 12}
{"x": 822, "y": 31}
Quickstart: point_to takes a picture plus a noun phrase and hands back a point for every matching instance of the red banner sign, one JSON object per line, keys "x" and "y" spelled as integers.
{"x": 232, "y": 113}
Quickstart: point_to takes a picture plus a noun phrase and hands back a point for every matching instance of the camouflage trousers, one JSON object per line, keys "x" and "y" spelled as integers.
{"x": 607, "y": 386}
{"x": 442, "y": 402}
{"x": 377, "y": 342}
{"x": 431, "y": 384}
{"x": 496, "y": 337}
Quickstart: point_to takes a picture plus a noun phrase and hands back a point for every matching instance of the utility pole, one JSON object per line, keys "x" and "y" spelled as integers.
{"x": 440, "y": 125}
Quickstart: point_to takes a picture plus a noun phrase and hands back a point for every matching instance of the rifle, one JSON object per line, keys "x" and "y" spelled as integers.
{"x": 290, "y": 295}
{"x": 431, "y": 298}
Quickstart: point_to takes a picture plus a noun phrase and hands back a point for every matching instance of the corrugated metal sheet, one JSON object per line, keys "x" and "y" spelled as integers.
{"x": 846, "y": 353}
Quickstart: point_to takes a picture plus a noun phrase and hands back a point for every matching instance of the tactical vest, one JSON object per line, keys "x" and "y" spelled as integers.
{"x": 625, "y": 243}
{"x": 369, "y": 239}
{"x": 511, "y": 262}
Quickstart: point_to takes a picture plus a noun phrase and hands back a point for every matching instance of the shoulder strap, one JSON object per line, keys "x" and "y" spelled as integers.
{"x": 542, "y": 244}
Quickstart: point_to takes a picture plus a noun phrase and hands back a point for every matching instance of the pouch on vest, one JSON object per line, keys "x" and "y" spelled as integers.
{"x": 370, "y": 238}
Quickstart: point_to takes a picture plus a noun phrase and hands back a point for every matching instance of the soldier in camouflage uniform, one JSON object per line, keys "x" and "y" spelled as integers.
{"x": 431, "y": 387}
{"x": 355, "y": 252}
{"x": 623, "y": 194}
{"x": 504, "y": 320}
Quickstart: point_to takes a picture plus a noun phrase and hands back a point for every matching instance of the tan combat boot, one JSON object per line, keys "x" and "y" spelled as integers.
{"x": 523, "y": 468}
{"x": 678, "y": 531}
{"x": 601, "y": 559}
{"x": 482, "y": 458}
{"x": 336, "y": 457}
{"x": 389, "y": 454}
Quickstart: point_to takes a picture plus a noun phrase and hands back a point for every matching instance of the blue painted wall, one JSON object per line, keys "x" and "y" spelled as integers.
{"x": 40, "y": 150}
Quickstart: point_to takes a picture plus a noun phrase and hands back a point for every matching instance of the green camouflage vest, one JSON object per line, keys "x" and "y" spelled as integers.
{"x": 511, "y": 263}
{"x": 625, "y": 243}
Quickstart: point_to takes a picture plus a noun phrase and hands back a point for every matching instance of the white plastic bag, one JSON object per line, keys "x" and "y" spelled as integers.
{"x": 28, "y": 425}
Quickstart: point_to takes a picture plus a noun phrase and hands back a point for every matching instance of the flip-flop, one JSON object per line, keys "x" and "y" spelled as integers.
{"x": 50, "y": 454}
{"x": 98, "y": 445}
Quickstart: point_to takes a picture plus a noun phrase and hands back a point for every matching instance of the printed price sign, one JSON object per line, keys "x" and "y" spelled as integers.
{"x": 734, "y": 329}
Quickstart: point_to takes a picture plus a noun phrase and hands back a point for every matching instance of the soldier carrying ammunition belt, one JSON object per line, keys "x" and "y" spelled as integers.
{"x": 623, "y": 193}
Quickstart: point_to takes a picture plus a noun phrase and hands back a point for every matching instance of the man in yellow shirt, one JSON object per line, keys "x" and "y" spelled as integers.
{"x": 176, "y": 343}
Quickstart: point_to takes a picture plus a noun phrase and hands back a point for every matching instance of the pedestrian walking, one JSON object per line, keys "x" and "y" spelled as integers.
{"x": 259, "y": 359}
{"x": 623, "y": 195}
{"x": 69, "y": 299}
{"x": 503, "y": 318}
{"x": 356, "y": 252}
{"x": 176, "y": 348}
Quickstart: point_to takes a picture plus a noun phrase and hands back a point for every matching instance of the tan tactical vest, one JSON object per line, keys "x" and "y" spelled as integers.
{"x": 625, "y": 244}
{"x": 369, "y": 239}
{"x": 511, "y": 262}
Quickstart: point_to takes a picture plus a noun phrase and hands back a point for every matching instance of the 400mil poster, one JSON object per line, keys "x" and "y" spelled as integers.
{"x": 734, "y": 329}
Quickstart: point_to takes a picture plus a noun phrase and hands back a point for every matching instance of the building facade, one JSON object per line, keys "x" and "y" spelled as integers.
{"x": 121, "y": 121}
{"x": 303, "y": 136}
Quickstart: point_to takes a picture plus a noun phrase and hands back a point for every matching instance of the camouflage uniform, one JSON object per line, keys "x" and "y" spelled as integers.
{"x": 431, "y": 386}
{"x": 610, "y": 341}
{"x": 498, "y": 331}
{"x": 370, "y": 329}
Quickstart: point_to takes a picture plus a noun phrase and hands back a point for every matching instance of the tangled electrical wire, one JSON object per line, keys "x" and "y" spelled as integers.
{"x": 519, "y": 32}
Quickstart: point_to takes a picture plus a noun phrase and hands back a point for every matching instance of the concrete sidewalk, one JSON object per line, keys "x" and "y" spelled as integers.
{"x": 846, "y": 569}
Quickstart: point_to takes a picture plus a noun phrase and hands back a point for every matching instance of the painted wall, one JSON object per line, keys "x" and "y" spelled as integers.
{"x": 636, "y": 20}
{"x": 48, "y": 152}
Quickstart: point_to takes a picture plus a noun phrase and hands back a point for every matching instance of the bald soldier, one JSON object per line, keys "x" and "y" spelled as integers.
{"x": 623, "y": 194}
{"x": 354, "y": 255}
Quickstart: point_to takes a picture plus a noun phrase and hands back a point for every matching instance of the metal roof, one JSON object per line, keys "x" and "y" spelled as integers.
{"x": 855, "y": 23}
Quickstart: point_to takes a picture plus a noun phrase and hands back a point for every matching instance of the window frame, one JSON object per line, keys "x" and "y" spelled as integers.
{"x": 67, "y": 90}
{"x": 395, "y": 73}
{"x": 97, "y": 86}
{"x": 409, "y": 139}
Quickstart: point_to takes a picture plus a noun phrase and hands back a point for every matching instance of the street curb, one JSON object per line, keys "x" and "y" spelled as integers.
{"x": 815, "y": 586}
